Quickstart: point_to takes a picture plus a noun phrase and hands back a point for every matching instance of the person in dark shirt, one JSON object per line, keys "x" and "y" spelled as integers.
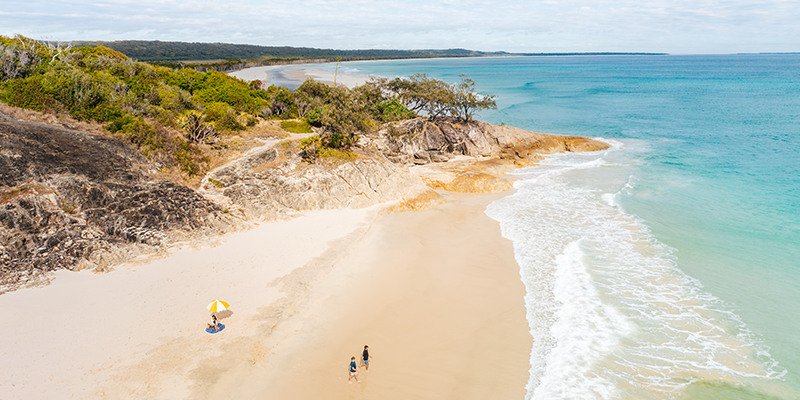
{"x": 365, "y": 357}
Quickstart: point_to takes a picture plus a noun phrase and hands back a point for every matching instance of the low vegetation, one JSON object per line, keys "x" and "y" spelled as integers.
{"x": 172, "y": 114}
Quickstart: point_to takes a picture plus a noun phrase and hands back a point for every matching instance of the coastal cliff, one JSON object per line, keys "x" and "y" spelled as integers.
{"x": 75, "y": 200}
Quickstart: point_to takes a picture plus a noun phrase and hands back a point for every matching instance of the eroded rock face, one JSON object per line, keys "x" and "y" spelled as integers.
{"x": 422, "y": 141}
{"x": 292, "y": 185}
{"x": 469, "y": 156}
{"x": 74, "y": 200}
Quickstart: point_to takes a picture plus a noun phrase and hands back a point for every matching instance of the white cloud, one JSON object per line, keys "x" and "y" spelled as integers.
{"x": 677, "y": 26}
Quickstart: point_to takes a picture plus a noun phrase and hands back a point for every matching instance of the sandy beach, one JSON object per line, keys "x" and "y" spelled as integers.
{"x": 302, "y": 73}
{"x": 260, "y": 73}
{"x": 299, "y": 74}
{"x": 436, "y": 294}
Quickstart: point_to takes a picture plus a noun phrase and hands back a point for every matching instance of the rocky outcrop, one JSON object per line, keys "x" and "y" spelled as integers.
{"x": 423, "y": 141}
{"x": 268, "y": 185}
{"x": 469, "y": 156}
{"x": 75, "y": 200}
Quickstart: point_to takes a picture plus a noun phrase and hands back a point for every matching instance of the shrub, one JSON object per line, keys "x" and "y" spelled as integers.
{"x": 189, "y": 159}
{"x": 393, "y": 110}
{"x": 224, "y": 116}
{"x": 219, "y": 87}
{"x": 21, "y": 57}
{"x": 186, "y": 79}
{"x": 313, "y": 117}
{"x": 196, "y": 128}
{"x": 27, "y": 93}
{"x": 282, "y": 104}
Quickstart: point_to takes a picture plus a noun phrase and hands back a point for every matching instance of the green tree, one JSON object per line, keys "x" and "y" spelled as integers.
{"x": 466, "y": 102}
{"x": 437, "y": 98}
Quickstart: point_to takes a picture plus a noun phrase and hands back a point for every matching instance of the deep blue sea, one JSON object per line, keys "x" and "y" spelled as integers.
{"x": 667, "y": 267}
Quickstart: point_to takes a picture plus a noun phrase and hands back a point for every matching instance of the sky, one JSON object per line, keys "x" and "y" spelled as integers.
{"x": 668, "y": 26}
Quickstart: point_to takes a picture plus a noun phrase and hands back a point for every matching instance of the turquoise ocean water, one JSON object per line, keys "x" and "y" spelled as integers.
{"x": 667, "y": 267}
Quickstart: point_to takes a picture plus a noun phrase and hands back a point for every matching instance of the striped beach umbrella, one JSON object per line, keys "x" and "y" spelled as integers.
{"x": 218, "y": 305}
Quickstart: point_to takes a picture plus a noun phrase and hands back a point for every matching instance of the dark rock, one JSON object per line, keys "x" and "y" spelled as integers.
{"x": 74, "y": 200}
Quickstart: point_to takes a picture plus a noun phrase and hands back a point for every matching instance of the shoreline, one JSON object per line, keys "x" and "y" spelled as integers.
{"x": 437, "y": 296}
{"x": 295, "y": 75}
{"x": 304, "y": 295}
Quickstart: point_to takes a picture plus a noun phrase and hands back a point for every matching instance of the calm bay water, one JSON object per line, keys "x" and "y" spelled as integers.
{"x": 669, "y": 265}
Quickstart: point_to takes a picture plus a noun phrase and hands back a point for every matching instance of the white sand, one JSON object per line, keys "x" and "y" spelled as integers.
{"x": 303, "y": 73}
{"x": 251, "y": 74}
{"x": 84, "y": 335}
{"x": 436, "y": 294}
{"x": 300, "y": 73}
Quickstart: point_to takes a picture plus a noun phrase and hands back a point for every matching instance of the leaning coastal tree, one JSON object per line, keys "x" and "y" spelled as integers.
{"x": 436, "y": 98}
{"x": 466, "y": 102}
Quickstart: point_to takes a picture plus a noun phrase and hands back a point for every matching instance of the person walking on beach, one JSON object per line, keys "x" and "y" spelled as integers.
{"x": 353, "y": 370}
{"x": 365, "y": 358}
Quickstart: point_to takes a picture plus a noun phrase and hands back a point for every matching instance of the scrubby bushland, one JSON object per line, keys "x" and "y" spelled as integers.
{"x": 167, "y": 113}
{"x": 343, "y": 113}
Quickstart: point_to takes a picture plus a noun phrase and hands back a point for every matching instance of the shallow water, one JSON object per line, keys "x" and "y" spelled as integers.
{"x": 669, "y": 265}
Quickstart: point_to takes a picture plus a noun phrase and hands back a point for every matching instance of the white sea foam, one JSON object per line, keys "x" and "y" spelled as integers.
{"x": 611, "y": 314}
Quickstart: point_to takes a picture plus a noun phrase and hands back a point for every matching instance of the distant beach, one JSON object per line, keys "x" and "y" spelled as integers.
{"x": 294, "y": 75}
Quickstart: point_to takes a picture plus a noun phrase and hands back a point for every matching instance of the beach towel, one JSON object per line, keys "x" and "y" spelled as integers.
{"x": 213, "y": 331}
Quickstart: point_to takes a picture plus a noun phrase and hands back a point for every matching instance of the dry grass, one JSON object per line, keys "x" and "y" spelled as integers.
{"x": 23, "y": 114}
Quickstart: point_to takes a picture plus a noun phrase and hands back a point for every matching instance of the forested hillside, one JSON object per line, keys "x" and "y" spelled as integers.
{"x": 182, "y": 51}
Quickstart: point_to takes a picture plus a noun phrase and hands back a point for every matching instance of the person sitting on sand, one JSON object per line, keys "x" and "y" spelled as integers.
{"x": 353, "y": 370}
{"x": 214, "y": 323}
{"x": 365, "y": 357}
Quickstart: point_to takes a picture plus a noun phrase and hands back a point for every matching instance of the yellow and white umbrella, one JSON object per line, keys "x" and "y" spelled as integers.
{"x": 218, "y": 305}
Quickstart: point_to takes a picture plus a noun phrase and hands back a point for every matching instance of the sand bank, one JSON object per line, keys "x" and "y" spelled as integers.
{"x": 436, "y": 294}
{"x": 298, "y": 74}
{"x": 250, "y": 74}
